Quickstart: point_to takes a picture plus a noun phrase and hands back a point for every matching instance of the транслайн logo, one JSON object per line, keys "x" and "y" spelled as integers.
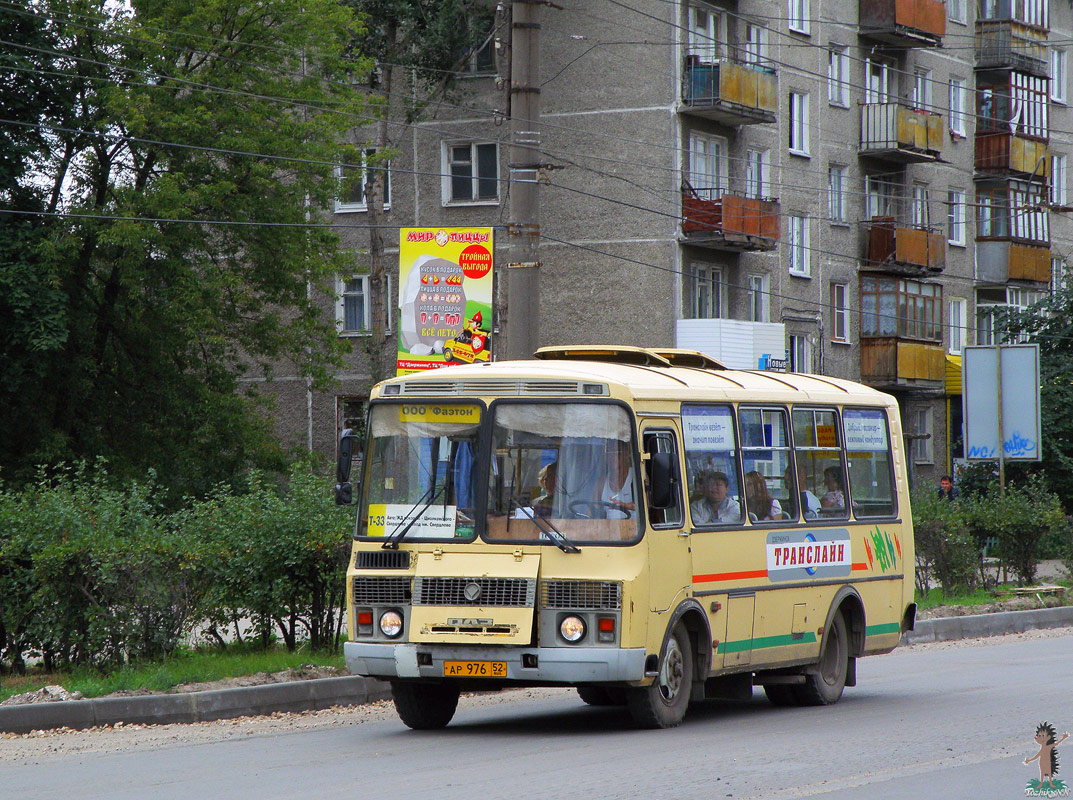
{"x": 1047, "y": 756}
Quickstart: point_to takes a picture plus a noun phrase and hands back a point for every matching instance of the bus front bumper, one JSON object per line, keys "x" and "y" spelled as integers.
{"x": 566, "y": 665}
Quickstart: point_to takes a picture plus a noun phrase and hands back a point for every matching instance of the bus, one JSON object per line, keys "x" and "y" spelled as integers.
{"x": 642, "y": 524}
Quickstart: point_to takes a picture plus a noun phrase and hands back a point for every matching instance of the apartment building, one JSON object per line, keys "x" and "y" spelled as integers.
{"x": 845, "y": 187}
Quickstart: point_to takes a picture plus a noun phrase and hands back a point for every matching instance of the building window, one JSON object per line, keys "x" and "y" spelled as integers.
{"x": 919, "y": 206}
{"x": 755, "y": 45}
{"x": 1058, "y": 75}
{"x": 838, "y": 76}
{"x": 1058, "y": 275}
{"x": 922, "y": 89}
{"x": 708, "y": 165}
{"x": 471, "y": 173}
{"x": 709, "y": 292}
{"x": 1017, "y": 210}
{"x": 1058, "y": 180}
{"x": 839, "y": 312}
{"x": 957, "y": 106}
{"x": 836, "y": 193}
{"x": 955, "y": 10}
{"x": 353, "y": 311}
{"x": 922, "y": 450}
{"x": 878, "y": 81}
{"x": 900, "y": 307}
{"x": 705, "y": 34}
{"x": 957, "y": 313}
{"x": 878, "y": 197}
{"x": 799, "y": 123}
{"x": 480, "y": 59}
{"x": 757, "y": 178}
{"x": 355, "y": 176}
{"x": 758, "y": 298}
{"x": 798, "y": 244}
{"x": 798, "y": 16}
{"x": 800, "y": 353}
{"x": 955, "y": 217}
{"x": 1019, "y": 107}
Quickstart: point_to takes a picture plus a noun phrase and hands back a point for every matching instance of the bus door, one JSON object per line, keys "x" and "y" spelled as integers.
{"x": 668, "y": 544}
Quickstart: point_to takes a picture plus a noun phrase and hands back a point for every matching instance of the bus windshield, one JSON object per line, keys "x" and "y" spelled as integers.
{"x": 419, "y": 481}
{"x": 567, "y": 467}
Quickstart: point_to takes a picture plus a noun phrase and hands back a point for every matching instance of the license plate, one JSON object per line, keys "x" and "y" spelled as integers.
{"x": 475, "y": 669}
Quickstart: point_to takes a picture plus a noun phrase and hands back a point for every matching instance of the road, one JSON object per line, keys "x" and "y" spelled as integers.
{"x": 951, "y": 720}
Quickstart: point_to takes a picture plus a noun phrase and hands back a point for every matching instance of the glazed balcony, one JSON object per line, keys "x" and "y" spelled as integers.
{"x": 1002, "y": 261}
{"x": 1008, "y": 154}
{"x": 892, "y": 363}
{"x": 903, "y": 248}
{"x": 729, "y": 221}
{"x": 729, "y": 92}
{"x": 1009, "y": 44}
{"x": 896, "y": 132}
{"x": 906, "y": 23}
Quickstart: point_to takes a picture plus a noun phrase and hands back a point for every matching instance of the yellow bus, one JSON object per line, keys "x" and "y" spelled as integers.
{"x": 642, "y": 524}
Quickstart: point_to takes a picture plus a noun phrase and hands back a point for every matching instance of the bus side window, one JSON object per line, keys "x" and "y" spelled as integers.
{"x": 663, "y": 442}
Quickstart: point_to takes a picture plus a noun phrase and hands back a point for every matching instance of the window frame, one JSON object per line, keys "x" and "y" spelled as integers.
{"x": 957, "y": 309}
{"x": 721, "y": 164}
{"x": 448, "y": 163}
{"x": 366, "y": 305}
{"x": 797, "y": 17}
{"x": 836, "y": 196}
{"x": 713, "y": 277}
{"x": 798, "y": 245}
{"x": 956, "y": 217}
{"x": 759, "y": 295}
{"x": 926, "y": 454}
{"x": 1059, "y": 83}
{"x": 707, "y": 46}
{"x": 920, "y": 97}
{"x": 840, "y": 316}
{"x": 351, "y": 207}
{"x": 1059, "y": 179}
{"x": 801, "y": 350}
{"x": 917, "y": 314}
{"x": 956, "y": 100}
{"x": 838, "y": 75}
{"x": 798, "y": 144}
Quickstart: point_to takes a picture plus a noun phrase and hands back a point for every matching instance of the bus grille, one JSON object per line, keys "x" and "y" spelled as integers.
{"x": 519, "y": 388}
{"x": 511, "y": 592}
{"x": 382, "y": 559}
{"x": 598, "y": 595}
{"x": 381, "y": 591}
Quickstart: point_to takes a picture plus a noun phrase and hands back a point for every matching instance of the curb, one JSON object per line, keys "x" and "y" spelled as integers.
{"x": 163, "y": 709}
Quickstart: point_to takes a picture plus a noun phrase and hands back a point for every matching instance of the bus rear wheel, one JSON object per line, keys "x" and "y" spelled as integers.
{"x": 663, "y": 704}
{"x": 424, "y": 706}
{"x": 825, "y": 685}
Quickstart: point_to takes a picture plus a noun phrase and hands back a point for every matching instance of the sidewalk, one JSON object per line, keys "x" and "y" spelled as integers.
{"x": 160, "y": 709}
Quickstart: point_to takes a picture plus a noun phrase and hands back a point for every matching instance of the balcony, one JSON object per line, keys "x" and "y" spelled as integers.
{"x": 734, "y": 342}
{"x": 729, "y": 92}
{"x": 907, "y": 23}
{"x": 898, "y": 247}
{"x": 895, "y": 132}
{"x": 732, "y": 222}
{"x": 1006, "y": 153}
{"x": 999, "y": 262}
{"x": 1009, "y": 44}
{"x": 897, "y": 364}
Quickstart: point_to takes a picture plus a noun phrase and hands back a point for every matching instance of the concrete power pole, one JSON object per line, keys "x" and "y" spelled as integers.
{"x": 523, "y": 226}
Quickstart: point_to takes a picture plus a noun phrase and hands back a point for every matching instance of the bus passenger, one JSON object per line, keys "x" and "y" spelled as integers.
{"x": 542, "y": 505}
{"x": 715, "y": 505}
{"x": 810, "y": 503}
{"x": 618, "y": 491}
{"x": 832, "y": 479}
{"x": 759, "y": 501}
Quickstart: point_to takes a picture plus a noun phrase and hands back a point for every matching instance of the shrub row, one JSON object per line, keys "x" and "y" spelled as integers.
{"x": 1017, "y": 527}
{"x": 91, "y": 574}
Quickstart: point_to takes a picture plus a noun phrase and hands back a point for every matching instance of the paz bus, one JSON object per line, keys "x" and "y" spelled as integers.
{"x": 642, "y": 524}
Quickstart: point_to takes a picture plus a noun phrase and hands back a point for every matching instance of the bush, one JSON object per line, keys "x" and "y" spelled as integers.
{"x": 946, "y": 552}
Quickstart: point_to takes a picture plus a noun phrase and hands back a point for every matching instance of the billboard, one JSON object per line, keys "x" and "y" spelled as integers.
{"x": 1009, "y": 373}
{"x": 445, "y": 297}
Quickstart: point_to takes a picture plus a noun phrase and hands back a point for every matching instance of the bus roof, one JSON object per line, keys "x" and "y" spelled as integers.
{"x": 643, "y": 373}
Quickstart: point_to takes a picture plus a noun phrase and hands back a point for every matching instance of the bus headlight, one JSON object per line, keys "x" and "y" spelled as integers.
{"x": 572, "y": 629}
{"x": 391, "y": 624}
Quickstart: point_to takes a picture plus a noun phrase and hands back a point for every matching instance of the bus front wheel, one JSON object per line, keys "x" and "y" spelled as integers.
{"x": 824, "y": 686}
{"x": 663, "y": 703}
{"x": 425, "y": 706}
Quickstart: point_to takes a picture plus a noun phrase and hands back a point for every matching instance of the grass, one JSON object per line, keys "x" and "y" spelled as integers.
{"x": 185, "y": 666}
{"x": 979, "y": 596}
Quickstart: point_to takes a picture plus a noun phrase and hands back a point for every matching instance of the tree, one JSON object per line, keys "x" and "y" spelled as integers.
{"x": 179, "y": 163}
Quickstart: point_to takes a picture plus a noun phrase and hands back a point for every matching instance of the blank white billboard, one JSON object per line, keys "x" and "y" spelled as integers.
{"x": 1019, "y": 388}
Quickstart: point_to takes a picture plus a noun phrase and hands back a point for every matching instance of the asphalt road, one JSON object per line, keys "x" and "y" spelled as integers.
{"x": 951, "y": 720}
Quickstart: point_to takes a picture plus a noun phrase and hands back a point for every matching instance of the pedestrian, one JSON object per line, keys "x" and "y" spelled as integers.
{"x": 946, "y": 488}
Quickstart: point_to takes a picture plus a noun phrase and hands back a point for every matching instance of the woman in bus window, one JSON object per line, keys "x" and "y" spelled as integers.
{"x": 835, "y": 498}
{"x": 760, "y": 502}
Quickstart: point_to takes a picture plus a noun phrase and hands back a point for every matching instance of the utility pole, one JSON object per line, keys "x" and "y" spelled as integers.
{"x": 523, "y": 225}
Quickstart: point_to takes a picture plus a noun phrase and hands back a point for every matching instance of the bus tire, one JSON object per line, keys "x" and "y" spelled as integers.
{"x": 424, "y": 706}
{"x": 824, "y": 686}
{"x": 663, "y": 704}
{"x": 602, "y": 695}
{"x": 781, "y": 694}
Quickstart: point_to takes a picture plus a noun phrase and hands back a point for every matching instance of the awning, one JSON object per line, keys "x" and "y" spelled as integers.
{"x": 953, "y": 374}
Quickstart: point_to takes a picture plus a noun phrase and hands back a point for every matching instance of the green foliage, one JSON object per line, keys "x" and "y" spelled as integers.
{"x": 94, "y": 575}
{"x": 129, "y": 339}
{"x": 946, "y": 552}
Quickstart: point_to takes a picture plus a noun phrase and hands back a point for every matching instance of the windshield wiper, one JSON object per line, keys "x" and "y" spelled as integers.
{"x": 557, "y": 537}
{"x": 392, "y": 542}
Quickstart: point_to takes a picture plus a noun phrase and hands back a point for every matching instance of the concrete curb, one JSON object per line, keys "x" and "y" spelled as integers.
{"x": 161, "y": 709}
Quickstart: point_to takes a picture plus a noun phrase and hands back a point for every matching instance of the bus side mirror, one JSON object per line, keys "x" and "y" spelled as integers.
{"x": 344, "y": 491}
{"x": 662, "y": 476}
